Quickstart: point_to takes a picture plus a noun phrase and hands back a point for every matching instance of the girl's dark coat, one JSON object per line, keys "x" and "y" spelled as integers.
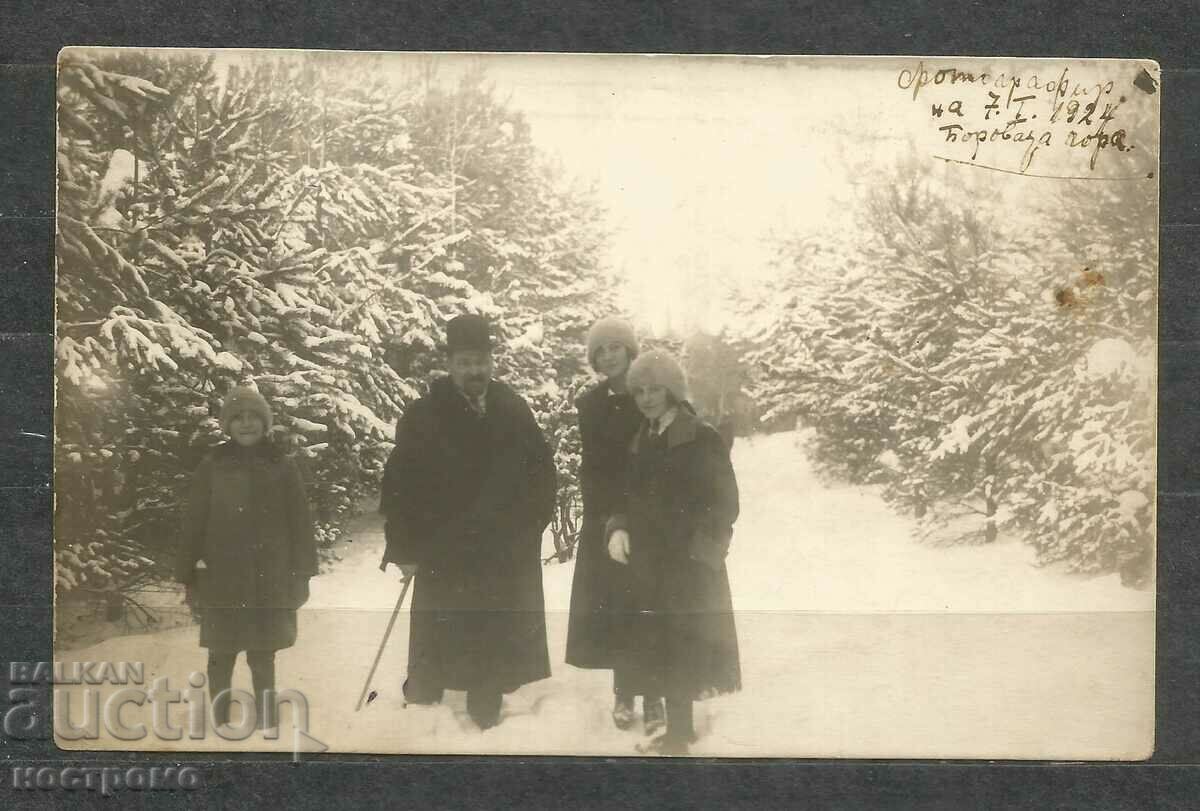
{"x": 600, "y": 593}
{"x": 680, "y": 505}
{"x": 248, "y": 520}
{"x": 467, "y": 499}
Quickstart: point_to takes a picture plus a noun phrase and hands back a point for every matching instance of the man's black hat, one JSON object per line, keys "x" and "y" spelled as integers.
{"x": 468, "y": 332}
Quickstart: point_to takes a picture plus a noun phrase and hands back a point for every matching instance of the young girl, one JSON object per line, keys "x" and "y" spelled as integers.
{"x": 680, "y": 504}
{"x": 600, "y": 593}
{"x": 248, "y": 551}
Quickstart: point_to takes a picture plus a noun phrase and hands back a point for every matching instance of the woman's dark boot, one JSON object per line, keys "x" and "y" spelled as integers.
{"x": 679, "y": 733}
{"x": 654, "y": 716}
{"x": 623, "y": 713}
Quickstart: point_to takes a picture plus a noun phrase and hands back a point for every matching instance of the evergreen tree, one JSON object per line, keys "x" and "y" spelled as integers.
{"x": 1088, "y": 498}
{"x": 287, "y": 222}
{"x": 965, "y": 361}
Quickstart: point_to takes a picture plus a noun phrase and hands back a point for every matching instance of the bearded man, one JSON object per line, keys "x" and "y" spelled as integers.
{"x": 467, "y": 493}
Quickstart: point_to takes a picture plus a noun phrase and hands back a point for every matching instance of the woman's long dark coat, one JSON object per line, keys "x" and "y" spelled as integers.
{"x": 681, "y": 502}
{"x": 467, "y": 499}
{"x": 600, "y": 594}
{"x": 248, "y": 520}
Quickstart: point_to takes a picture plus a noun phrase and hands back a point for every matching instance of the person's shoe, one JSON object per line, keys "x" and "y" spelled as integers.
{"x": 422, "y": 697}
{"x": 623, "y": 713}
{"x": 654, "y": 716}
{"x": 665, "y": 745}
{"x": 484, "y": 709}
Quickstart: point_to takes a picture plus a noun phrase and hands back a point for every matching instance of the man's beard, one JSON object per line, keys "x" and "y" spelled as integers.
{"x": 475, "y": 386}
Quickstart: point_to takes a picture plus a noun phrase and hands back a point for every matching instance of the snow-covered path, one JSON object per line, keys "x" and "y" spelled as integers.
{"x": 856, "y": 641}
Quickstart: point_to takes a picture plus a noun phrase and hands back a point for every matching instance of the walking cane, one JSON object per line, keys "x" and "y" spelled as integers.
{"x": 383, "y": 644}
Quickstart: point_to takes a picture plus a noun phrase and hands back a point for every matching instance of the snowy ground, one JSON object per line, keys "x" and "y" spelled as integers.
{"x": 856, "y": 641}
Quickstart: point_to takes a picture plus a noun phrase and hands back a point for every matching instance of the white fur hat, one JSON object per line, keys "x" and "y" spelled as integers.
{"x": 658, "y": 368}
{"x": 607, "y": 330}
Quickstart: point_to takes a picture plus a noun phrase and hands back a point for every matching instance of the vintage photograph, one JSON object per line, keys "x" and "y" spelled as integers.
{"x": 608, "y": 405}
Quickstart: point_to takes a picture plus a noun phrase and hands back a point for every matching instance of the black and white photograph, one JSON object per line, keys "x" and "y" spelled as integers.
{"x": 605, "y": 405}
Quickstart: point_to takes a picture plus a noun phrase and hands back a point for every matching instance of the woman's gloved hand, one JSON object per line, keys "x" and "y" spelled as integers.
{"x": 618, "y": 546}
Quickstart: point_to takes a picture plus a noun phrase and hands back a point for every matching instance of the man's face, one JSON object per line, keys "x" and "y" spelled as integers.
{"x": 471, "y": 369}
{"x": 612, "y": 359}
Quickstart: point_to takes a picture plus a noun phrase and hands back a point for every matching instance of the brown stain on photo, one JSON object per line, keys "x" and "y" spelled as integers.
{"x": 1072, "y": 295}
{"x": 1092, "y": 278}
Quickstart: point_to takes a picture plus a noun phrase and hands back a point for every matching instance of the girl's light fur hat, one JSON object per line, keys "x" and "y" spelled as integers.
{"x": 244, "y": 398}
{"x": 658, "y": 368}
{"x": 609, "y": 330}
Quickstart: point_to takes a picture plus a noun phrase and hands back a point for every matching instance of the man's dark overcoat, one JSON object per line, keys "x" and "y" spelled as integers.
{"x": 467, "y": 498}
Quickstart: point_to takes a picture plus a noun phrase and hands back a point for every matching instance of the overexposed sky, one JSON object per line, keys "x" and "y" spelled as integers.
{"x": 700, "y": 159}
{"x": 697, "y": 161}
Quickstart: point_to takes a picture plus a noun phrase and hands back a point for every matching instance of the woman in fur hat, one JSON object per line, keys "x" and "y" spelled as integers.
{"x": 600, "y": 594}
{"x": 673, "y": 533}
{"x": 248, "y": 552}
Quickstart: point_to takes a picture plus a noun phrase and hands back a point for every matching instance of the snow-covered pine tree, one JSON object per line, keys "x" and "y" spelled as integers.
{"x": 116, "y": 330}
{"x": 243, "y": 250}
{"x": 958, "y": 349}
{"x": 952, "y": 357}
{"x": 805, "y": 331}
{"x": 371, "y": 282}
{"x": 1089, "y": 499}
{"x": 288, "y": 222}
{"x": 716, "y": 379}
{"x": 924, "y": 354}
